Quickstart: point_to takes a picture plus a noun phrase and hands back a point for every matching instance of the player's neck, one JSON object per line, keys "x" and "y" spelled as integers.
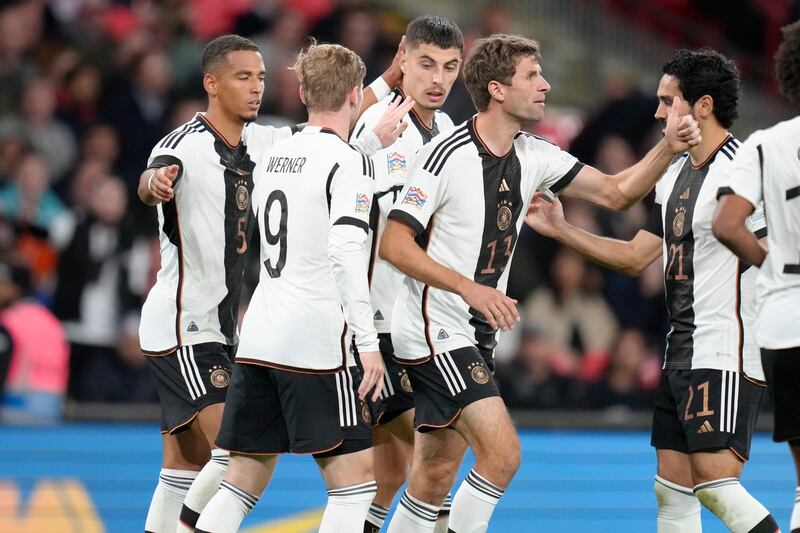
{"x": 229, "y": 127}
{"x": 423, "y": 115}
{"x": 338, "y": 121}
{"x": 713, "y": 136}
{"x": 496, "y": 130}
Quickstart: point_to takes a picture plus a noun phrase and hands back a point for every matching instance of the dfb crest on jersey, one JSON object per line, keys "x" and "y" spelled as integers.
{"x": 504, "y": 215}
{"x": 478, "y": 374}
{"x": 365, "y": 414}
{"x": 679, "y": 221}
{"x": 405, "y": 382}
{"x": 242, "y": 197}
{"x": 220, "y": 377}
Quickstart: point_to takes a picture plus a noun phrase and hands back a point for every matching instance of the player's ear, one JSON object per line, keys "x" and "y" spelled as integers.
{"x": 704, "y": 106}
{"x": 302, "y": 95}
{"x": 352, "y": 96}
{"x": 496, "y": 91}
{"x": 210, "y": 84}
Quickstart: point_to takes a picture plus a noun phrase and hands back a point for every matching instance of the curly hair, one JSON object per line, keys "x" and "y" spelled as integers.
{"x": 707, "y": 72}
{"x": 787, "y": 62}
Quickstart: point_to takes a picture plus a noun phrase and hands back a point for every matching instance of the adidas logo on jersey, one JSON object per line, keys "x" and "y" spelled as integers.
{"x": 442, "y": 335}
{"x": 503, "y": 186}
{"x": 685, "y": 194}
{"x": 706, "y": 428}
{"x": 192, "y": 327}
{"x": 378, "y": 315}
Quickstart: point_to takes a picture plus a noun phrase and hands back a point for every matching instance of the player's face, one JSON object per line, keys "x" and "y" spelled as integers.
{"x": 240, "y": 84}
{"x": 524, "y": 98}
{"x": 667, "y": 90}
{"x": 429, "y": 73}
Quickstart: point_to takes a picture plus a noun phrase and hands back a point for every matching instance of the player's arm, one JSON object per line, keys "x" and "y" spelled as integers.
{"x": 387, "y": 130}
{"x": 351, "y": 192}
{"x": 628, "y": 257}
{"x": 729, "y": 226}
{"x": 157, "y": 181}
{"x": 622, "y": 190}
{"x": 383, "y": 85}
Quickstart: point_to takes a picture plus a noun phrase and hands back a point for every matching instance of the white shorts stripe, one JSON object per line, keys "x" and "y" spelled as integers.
{"x": 735, "y": 403}
{"x": 445, "y": 376}
{"x": 388, "y": 385}
{"x": 456, "y": 373}
{"x": 201, "y": 385}
{"x": 352, "y": 396}
{"x": 722, "y": 402}
{"x": 340, "y": 398}
{"x": 185, "y": 372}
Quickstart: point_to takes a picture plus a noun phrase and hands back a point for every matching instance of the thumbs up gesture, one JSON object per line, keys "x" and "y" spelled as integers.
{"x": 682, "y": 131}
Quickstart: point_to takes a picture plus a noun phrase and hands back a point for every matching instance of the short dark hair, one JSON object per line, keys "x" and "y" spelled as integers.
{"x": 494, "y": 58}
{"x": 215, "y": 52}
{"x": 787, "y": 62}
{"x": 707, "y": 72}
{"x": 437, "y": 31}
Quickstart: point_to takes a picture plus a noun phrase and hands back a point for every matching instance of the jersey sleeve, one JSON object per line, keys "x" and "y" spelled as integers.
{"x": 556, "y": 167}
{"x": 655, "y": 222}
{"x": 744, "y": 175}
{"x": 350, "y": 193}
{"x": 757, "y": 222}
{"x": 164, "y": 155}
{"x": 422, "y": 194}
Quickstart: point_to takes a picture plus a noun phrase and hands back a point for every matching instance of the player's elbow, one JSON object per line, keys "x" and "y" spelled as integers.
{"x": 614, "y": 198}
{"x": 723, "y": 227}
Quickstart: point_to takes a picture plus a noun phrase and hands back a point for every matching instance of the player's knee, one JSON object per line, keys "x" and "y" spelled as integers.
{"x": 391, "y": 476}
{"x": 502, "y": 459}
{"x": 436, "y": 475}
{"x": 674, "y": 501}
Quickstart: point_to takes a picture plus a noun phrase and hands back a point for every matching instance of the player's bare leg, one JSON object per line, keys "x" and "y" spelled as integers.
{"x": 488, "y": 429}
{"x": 678, "y": 508}
{"x": 392, "y": 447}
{"x": 436, "y": 458}
{"x": 207, "y": 481}
{"x": 351, "y": 488}
{"x": 716, "y": 476}
{"x": 245, "y": 480}
{"x": 183, "y": 456}
{"x": 794, "y": 524}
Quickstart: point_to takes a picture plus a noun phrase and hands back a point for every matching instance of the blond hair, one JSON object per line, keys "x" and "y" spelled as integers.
{"x": 327, "y": 73}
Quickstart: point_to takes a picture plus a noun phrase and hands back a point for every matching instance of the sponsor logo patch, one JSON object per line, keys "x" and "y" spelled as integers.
{"x": 396, "y": 162}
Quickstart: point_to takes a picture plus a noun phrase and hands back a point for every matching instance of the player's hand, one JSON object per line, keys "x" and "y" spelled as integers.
{"x": 160, "y": 184}
{"x": 391, "y": 124}
{"x": 372, "y": 365}
{"x": 681, "y": 132}
{"x": 500, "y": 310}
{"x": 546, "y": 218}
{"x": 393, "y": 76}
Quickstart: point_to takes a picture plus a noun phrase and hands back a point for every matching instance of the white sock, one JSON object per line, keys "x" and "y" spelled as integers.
{"x": 413, "y": 516}
{"x": 732, "y": 504}
{"x": 226, "y": 510}
{"x": 376, "y": 516}
{"x": 474, "y": 504}
{"x": 794, "y": 523}
{"x": 202, "y": 490}
{"x": 443, "y": 521}
{"x": 678, "y": 508}
{"x": 347, "y": 508}
{"x": 165, "y": 507}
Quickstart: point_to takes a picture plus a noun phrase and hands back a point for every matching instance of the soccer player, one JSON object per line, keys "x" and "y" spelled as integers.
{"x": 767, "y": 169}
{"x": 712, "y": 382}
{"x": 430, "y": 64}
{"x": 201, "y": 177}
{"x": 465, "y": 199}
{"x": 292, "y": 388}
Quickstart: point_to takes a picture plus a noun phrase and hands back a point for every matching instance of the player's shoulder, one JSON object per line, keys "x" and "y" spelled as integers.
{"x": 185, "y": 135}
{"x": 435, "y": 155}
{"x": 531, "y": 141}
{"x": 726, "y": 152}
{"x": 373, "y": 114}
{"x": 264, "y": 135}
{"x": 443, "y": 121}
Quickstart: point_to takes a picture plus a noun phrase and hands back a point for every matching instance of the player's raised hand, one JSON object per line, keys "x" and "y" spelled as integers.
{"x": 394, "y": 74}
{"x": 160, "y": 183}
{"x": 391, "y": 124}
{"x": 681, "y": 132}
{"x": 500, "y": 310}
{"x": 372, "y": 365}
{"x": 545, "y": 217}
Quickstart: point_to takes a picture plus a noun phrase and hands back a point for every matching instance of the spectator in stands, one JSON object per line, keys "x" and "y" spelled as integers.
{"x": 40, "y": 129}
{"x": 29, "y": 199}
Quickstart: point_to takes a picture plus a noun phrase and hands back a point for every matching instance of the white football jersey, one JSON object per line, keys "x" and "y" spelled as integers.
{"x": 391, "y": 168}
{"x": 767, "y": 168}
{"x": 203, "y": 233}
{"x": 710, "y": 294}
{"x": 467, "y": 206}
{"x": 312, "y": 202}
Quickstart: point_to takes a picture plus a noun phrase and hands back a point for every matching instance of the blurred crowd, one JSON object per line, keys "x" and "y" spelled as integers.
{"x": 87, "y": 87}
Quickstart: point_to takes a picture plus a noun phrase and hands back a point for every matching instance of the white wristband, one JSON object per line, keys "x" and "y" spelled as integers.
{"x": 380, "y": 88}
{"x": 150, "y": 181}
